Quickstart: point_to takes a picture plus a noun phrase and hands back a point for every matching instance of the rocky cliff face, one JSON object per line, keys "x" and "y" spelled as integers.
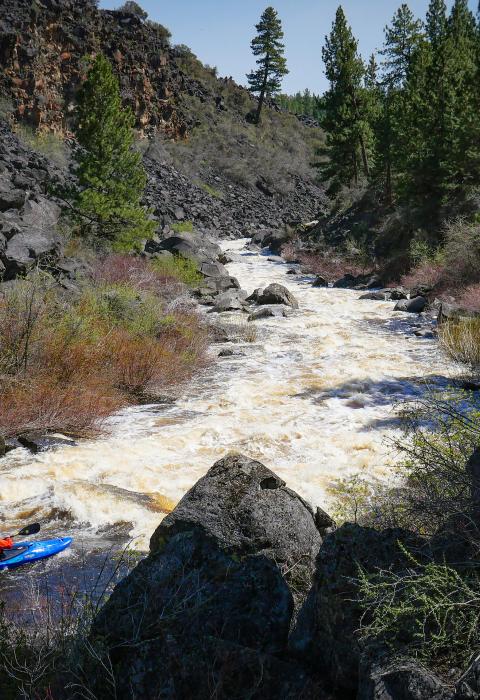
{"x": 43, "y": 51}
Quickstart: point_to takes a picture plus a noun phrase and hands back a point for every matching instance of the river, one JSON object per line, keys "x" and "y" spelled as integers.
{"x": 313, "y": 398}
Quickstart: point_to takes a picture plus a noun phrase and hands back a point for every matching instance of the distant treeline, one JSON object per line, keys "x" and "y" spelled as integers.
{"x": 303, "y": 103}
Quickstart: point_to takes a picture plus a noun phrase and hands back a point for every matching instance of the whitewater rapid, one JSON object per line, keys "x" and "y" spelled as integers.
{"x": 313, "y": 398}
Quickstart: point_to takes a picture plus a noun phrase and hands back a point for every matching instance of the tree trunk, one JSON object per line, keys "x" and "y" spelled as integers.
{"x": 355, "y": 168}
{"x": 364, "y": 156}
{"x": 263, "y": 92}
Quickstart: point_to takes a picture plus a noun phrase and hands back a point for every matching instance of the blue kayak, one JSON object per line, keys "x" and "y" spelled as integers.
{"x": 28, "y": 552}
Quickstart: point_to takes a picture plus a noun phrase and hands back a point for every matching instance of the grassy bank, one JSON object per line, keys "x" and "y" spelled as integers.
{"x": 70, "y": 359}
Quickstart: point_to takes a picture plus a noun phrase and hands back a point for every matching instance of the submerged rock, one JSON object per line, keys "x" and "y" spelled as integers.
{"x": 273, "y": 311}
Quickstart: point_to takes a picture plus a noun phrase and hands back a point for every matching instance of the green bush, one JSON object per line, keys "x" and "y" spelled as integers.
{"x": 185, "y": 271}
{"x": 183, "y": 227}
{"x": 432, "y": 610}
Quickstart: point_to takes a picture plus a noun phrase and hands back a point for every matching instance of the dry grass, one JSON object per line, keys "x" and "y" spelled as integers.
{"x": 461, "y": 342}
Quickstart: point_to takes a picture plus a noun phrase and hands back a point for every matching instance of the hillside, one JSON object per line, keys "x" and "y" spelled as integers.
{"x": 206, "y": 163}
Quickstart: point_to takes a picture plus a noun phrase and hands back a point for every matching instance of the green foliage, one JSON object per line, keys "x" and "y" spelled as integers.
{"x": 133, "y": 8}
{"x": 432, "y": 609}
{"x": 184, "y": 270}
{"x": 349, "y": 133}
{"x": 303, "y": 103}
{"x": 183, "y": 227}
{"x": 110, "y": 173}
{"x": 266, "y": 80}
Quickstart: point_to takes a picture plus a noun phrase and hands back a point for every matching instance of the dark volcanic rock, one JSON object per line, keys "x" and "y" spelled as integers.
{"x": 384, "y": 678}
{"x": 245, "y": 507}
{"x": 325, "y": 635}
{"x": 320, "y": 281}
{"x": 277, "y": 294}
{"x": 413, "y": 306}
{"x": 209, "y": 610}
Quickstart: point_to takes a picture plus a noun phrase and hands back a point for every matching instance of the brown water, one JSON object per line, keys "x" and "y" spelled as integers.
{"x": 313, "y": 399}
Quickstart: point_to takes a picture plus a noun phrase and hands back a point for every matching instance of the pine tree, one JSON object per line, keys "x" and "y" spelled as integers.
{"x": 402, "y": 41}
{"x": 266, "y": 80}
{"x": 110, "y": 173}
{"x": 346, "y": 122}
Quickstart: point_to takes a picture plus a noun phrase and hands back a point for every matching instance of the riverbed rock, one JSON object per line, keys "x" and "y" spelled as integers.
{"x": 271, "y": 239}
{"x": 325, "y": 635}
{"x": 387, "y": 294}
{"x": 273, "y": 311}
{"x": 319, "y": 281}
{"x": 191, "y": 246}
{"x": 412, "y": 306}
{"x": 233, "y": 300}
{"x": 209, "y": 610}
{"x": 277, "y": 294}
{"x": 455, "y": 312}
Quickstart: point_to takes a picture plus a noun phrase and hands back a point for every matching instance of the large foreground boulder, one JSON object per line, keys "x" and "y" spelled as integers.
{"x": 191, "y": 246}
{"x": 208, "y": 612}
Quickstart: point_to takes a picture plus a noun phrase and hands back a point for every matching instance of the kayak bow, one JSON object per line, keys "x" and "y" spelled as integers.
{"x": 28, "y": 552}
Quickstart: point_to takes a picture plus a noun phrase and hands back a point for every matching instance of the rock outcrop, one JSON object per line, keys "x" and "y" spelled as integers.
{"x": 326, "y": 629}
{"x": 209, "y": 610}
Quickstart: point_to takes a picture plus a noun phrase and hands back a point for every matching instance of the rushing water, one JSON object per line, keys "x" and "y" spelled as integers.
{"x": 313, "y": 398}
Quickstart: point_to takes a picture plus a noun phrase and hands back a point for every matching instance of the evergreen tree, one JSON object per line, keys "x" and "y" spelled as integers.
{"x": 402, "y": 41}
{"x": 110, "y": 173}
{"x": 346, "y": 122}
{"x": 266, "y": 80}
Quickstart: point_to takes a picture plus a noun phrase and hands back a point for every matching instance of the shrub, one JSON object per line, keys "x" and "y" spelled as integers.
{"x": 469, "y": 298}
{"x": 432, "y": 609}
{"x": 430, "y": 274}
{"x": 183, "y": 227}
{"x": 462, "y": 252}
{"x": 461, "y": 341}
{"x": 46, "y": 143}
{"x": 178, "y": 268}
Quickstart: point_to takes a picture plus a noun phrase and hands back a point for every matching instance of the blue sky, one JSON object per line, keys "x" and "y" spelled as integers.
{"x": 219, "y": 31}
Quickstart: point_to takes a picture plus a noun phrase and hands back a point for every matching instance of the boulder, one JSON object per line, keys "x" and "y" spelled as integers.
{"x": 10, "y": 197}
{"x": 292, "y": 272}
{"x": 387, "y": 294}
{"x": 325, "y": 634}
{"x": 40, "y": 442}
{"x": 271, "y": 239}
{"x": 421, "y": 290}
{"x": 454, "y": 312}
{"x": 346, "y": 282}
{"x": 213, "y": 269}
{"x": 191, "y": 246}
{"x": 412, "y": 306}
{"x": 468, "y": 687}
{"x": 209, "y": 610}
{"x": 274, "y": 311}
{"x": 384, "y": 678}
{"x": 233, "y": 300}
{"x": 277, "y": 294}
{"x": 31, "y": 236}
{"x": 319, "y": 281}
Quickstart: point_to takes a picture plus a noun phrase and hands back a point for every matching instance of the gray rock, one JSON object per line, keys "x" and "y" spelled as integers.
{"x": 413, "y": 306}
{"x": 346, "y": 282}
{"x": 10, "y": 197}
{"x": 40, "y": 442}
{"x": 277, "y": 294}
{"x": 211, "y": 606}
{"x": 274, "y": 311}
{"x": 320, "y": 281}
{"x": 213, "y": 269}
{"x": 468, "y": 687}
{"x": 232, "y": 300}
{"x": 247, "y": 509}
{"x": 382, "y": 678}
{"x": 292, "y": 272}
{"x": 230, "y": 352}
{"x": 454, "y": 312}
